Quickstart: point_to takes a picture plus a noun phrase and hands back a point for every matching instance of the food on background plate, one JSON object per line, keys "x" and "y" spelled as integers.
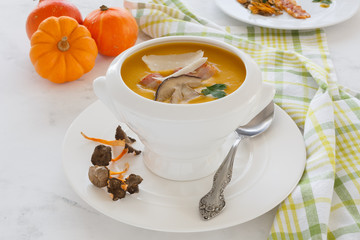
{"x": 323, "y": 3}
{"x": 179, "y": 72}
{"x": 260, "y": 7}
{"x": 100, "y": 174}
{"x": 63, "y": 53}
{"x": 114, "y": 29}
{"x": 48, "y": 8}
{"x": 275, "y": 7}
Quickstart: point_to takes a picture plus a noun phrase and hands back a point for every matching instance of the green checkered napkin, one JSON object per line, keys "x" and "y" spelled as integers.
{"x": 326, "y": 202}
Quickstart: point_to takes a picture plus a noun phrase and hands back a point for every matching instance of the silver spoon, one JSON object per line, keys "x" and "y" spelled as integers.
{"x": 213, "y": 202}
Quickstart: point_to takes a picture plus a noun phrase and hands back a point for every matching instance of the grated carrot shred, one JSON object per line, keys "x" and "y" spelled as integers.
{"x": 124, "y": 151}
{"x": 106, "y": 142}
{"x": 121, "y": 177}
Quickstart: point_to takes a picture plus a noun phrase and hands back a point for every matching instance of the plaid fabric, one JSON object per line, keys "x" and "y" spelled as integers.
{"x": 326, "y": 202}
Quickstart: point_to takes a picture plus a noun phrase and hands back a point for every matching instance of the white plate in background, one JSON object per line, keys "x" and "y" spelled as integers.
{"x": 338, "y": 12}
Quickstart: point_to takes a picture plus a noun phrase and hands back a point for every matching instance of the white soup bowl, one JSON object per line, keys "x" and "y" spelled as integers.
{"x": 182, "y": 141}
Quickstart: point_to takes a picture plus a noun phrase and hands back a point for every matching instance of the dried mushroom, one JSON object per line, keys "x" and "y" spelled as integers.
{"x": 101, "y": 155}
{"x": 178, "y": 89}
{"x": 130, "y": 149}
{"x": 121, "y": 139}
{"x": 115, "y": 188}
{"x": 121, "y": 135}
{"x": 133, "y": 182}
{"x": 99, "y": 175}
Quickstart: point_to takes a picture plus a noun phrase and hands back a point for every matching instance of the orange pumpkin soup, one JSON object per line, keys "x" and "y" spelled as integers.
{"x": 206, "y": 72}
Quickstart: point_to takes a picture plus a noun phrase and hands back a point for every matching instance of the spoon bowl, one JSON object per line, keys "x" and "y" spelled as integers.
{"x": 214, "y": 201}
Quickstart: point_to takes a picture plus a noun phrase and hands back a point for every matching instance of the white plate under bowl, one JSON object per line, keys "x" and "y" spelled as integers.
{"x": 339, "y": 11}
{"x": 266, "y": 170}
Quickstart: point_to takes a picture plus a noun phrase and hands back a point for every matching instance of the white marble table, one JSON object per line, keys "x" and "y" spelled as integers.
{"x": 36, "y": 200}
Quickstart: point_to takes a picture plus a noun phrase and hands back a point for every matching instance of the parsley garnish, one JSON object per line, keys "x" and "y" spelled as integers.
{"x": 216, "y": 90}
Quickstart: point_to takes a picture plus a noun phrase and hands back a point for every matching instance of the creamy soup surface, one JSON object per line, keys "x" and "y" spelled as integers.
{"x": 230, "y": 70}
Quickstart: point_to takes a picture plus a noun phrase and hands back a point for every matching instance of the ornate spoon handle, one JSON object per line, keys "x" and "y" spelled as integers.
{"x": 213, "y": 202}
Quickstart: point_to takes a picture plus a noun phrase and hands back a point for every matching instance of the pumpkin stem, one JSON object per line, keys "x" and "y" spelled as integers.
{"x": 63, "y": 45}
{"x": 103, "y": 8}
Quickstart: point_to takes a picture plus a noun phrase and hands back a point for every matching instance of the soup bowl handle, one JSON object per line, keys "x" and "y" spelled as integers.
{"x": 103, "y": 94}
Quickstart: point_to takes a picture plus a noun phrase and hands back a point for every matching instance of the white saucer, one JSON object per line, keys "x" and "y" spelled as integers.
{"x": 266, "y": 170}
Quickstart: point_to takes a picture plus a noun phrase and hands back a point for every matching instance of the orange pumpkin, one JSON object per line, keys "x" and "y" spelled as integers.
{"x": 48, "y": 8}
{"x": 62, "y": 50}
{"x": 114, "y": 29}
